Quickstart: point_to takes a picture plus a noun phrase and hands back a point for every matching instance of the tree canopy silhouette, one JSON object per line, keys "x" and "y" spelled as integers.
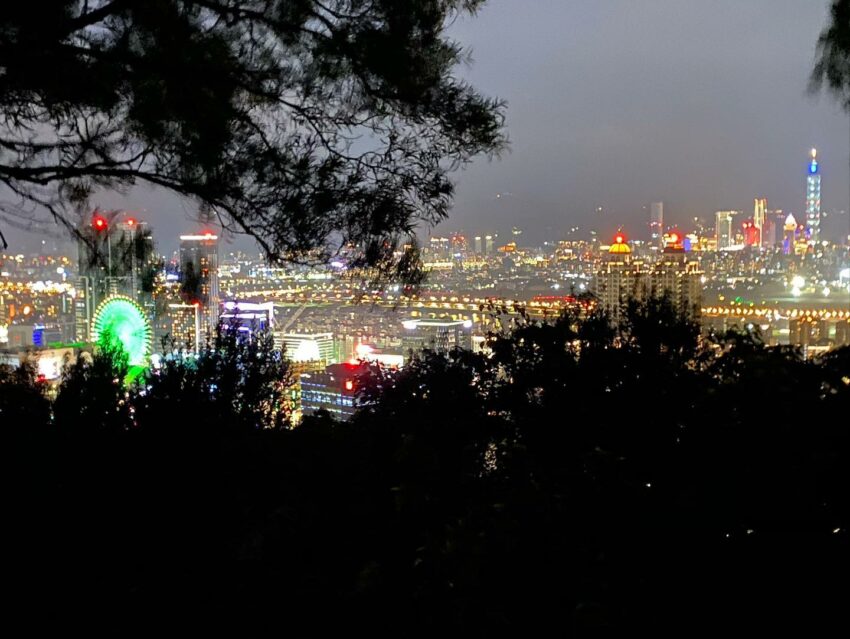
{"x": 583, "y": 476}
{"x": 832, "y": 67}
{"x": 309, "y": 124}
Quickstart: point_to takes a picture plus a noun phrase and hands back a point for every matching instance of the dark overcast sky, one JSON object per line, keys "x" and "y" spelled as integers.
{"x": 617, "y": 103}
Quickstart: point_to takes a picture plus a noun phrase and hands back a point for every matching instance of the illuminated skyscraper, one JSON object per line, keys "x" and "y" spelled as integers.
{"x": 723, "y": 229}
{"x": 759, "y": 218}
{"x": 619, "y": 278}
{"x": 656, "y": 223}
{"x": 179, "y": 325}
{"x": 813, "y": 200}
{"x": 114, "y": 250}
{"x": 199, "y": 272}
{"x": 676, "y": 275}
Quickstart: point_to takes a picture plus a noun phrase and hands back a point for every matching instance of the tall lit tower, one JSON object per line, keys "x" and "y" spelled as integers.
{"x": 723, "y": 229}
{"x": 759, "y": 218}
{"x": 656, "y": 223}
{"x": 813, "y": 200}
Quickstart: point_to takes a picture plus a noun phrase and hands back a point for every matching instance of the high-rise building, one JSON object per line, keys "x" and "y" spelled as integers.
{"x": 440, "y": 248}
{"x": 199, "y": 273}
{"x": 439, "y": 335}
{"x": 113, "y": 251}
{"x": 813, "y": 200}
{"x": 656, "y": 223}
{"x": 477, "y": 244}
{"x": 488, "y": 245}
{"x": 307, "y": 347}
{"x": 177, "y": 325}
{"x": 759, "y": 218}
{"x": 678, "y": 277}
{"x": 723, "y": 229}
{"x": 619, "y": 278}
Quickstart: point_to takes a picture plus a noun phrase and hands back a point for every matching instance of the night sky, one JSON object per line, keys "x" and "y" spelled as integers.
{"x": 618, "y": 103}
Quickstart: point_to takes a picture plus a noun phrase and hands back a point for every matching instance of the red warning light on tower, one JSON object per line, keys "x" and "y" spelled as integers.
{"x": 98, "y": 222}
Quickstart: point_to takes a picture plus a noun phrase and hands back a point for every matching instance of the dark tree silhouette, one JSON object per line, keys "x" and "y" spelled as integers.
{"x": 583, "y": 477}
{"x": 92, "y": 397}
{"x": 23, "y": 402}
{"x": 190, "y": 284}
{"x": 832, "y": 68}
{"x": 308, "y": 125}
{"x": 235, "y": 383}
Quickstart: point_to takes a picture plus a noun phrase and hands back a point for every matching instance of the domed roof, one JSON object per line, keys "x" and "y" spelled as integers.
{"x": 790, "y": 221}
{"x": 619, "y": 245}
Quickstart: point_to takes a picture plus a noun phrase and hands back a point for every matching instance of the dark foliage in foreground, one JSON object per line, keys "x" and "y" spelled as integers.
{"x": 580, "y": 479}
{"x": 305, "y": 124}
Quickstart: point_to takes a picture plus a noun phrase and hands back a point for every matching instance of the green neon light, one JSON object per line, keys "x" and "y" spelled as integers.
{"x": 133, "y": 374}
{"x": 123, "y": 318}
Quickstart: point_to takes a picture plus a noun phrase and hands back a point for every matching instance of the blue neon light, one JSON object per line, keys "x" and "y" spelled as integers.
{"x": 813, "y": 167}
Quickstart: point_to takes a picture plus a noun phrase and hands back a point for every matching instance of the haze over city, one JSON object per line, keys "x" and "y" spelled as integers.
{"x": 616, "y": 104}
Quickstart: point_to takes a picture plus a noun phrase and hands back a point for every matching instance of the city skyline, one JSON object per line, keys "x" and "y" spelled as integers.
{"x": 616, "y": 107}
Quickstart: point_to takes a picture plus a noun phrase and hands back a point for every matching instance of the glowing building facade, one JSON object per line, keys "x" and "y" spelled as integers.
{"x": 723, "y": 229}
{"x": 437, "y": 335}
{"x": 760, "y": 219}
{"x": 316, "y": 348}
{"x": 199, "y": 270}
{"x": 619, "y": 278}
{"x": 813, "y": 200}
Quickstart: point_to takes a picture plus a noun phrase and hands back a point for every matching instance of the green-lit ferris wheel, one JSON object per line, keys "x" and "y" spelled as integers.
{"x": 126, "y": 320}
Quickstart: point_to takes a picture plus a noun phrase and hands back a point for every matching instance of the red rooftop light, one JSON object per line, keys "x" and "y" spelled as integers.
{"x": 98, "y": 222}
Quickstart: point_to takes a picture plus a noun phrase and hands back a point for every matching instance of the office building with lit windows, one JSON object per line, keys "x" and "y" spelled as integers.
{"x": 656, "y": 224}
{"x": 177, "y": 325}
{"x": 333, "y": 389}
{"x": 619, "y": 278}
{"x": 723, "y": 229}
{"x": 438, "y": 335}
{"x": 199, "y": 276}
{"x": 302, "y": 348}
{"x": 679, "y": 277}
